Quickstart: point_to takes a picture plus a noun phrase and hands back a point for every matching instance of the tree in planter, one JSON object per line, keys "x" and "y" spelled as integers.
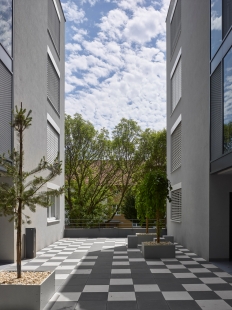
{"x": 18, "y": 188}
{"x": 151, "y": 195}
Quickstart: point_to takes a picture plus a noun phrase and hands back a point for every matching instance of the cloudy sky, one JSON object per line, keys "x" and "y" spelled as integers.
{"x": 115, "y": 61}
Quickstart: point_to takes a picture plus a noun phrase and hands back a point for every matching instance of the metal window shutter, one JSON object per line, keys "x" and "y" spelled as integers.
{"x": 53, "y": 85}
{"x": 176, "y": 85}
{"x": 52, "y": 143}
{"x": 54, "y": 25}
{"x": 216, "y": 114}
{"x": 5, "y": 109}
{"x": 226, "y": 16}
{"x": 176, "y": 205}
{"x": 175, "y": 26}
{"x": 176, "y": 148}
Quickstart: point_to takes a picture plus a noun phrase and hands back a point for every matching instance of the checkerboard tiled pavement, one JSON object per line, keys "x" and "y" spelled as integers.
{"x": 102, "y": 274}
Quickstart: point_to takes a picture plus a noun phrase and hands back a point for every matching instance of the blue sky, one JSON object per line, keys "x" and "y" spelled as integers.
{"x": 115, "y": 61}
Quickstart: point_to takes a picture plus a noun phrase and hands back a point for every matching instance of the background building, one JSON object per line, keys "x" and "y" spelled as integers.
{"x": 199, "y": 125}
{"x": 32, "y": 72}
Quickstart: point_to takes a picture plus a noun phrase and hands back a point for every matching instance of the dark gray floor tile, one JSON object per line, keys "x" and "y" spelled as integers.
{"x": 122, "y": 305}
{"x": 144, "y": 275}
{"x": 121, "y": 288}
{"x": 64, "y": 305}
{"x": 183, "y": 305}
{"x": 141, "y": 271}
{"x": 189, "y": 281}
{"x": 93, "y": 296}
{"x": 99, "y": 276}
{"x": 171, "y": 287}
{"x": 141, "y": 280}
{"x": 204, "y": 295}
{"x": 143, "y": 296}
{"x": 163, "y": 275}
{"x": 122, "y": 276}
{"x": 71, "y": 288}
{"x": 220, "y": 287}
{"x": 98, "y": 281}
{"x": 153, "y": 305}
{"x": 91, "y": 305}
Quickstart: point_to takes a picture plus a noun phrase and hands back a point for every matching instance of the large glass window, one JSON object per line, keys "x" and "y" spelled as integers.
{"x": 216, "y": 25}
{"x": 227, "y": 95}
{"x": 6, "y": 25}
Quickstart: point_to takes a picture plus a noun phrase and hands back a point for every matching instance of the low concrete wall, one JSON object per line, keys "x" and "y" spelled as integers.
{"x": 103, "y": 232}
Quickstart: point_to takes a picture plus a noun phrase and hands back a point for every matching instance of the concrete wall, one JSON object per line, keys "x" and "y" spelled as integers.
{"x": 193, "y": 231}
{"x": 30, "y": 87}
{"x": 104, "y": 232}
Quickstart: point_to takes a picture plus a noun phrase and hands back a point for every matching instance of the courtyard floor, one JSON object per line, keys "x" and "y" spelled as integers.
{"x": 103, "y": 274}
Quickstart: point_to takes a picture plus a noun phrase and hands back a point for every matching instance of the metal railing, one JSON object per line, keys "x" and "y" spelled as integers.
{"x": 129, "y": 223}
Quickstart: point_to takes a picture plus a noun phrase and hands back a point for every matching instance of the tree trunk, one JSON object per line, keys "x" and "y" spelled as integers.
{"x": 147, "y": 225}
{"x": 19, "y": 245}
{"x": 158, "y": 226}
{"x": 19, "y": 219}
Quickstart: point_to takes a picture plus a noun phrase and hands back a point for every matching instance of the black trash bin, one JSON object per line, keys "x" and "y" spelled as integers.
{"x": 30, "y": 242}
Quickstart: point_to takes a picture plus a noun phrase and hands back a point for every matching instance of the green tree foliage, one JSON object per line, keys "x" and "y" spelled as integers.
{"x": 128, "y": 206}
{"x": 20, "y": 189}
{"x": 151, "y": 195}
{"x": 227, "y": 137}
{"x": 153, "y": 149}
{"x": 125, "y": 143}
{"x": 90, "y": 170}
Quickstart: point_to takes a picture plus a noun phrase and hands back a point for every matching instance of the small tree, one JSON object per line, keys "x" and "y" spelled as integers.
{"x": 21, "y": 188}
{"x": 151, "y": 196}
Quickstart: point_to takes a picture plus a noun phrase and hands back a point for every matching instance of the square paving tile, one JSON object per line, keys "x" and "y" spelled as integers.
{"x": 177, "y": 296}
{"x": 121, "y": 296}
{"x": 183, "y": 305}
{"x": 146, "y": 288}
{"x": 96, "y": 288}
{"x": 213, "y": 305}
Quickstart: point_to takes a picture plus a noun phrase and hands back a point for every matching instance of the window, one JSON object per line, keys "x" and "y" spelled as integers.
{"x": 53, "y": 210}
{"x": 216, "y": 114}
{"x": 118, "y": 212}
{"x": 175, "y": 27}
{"x": 5, "y": 109}
{"x": 176, "y": 205}
{"x": 176, "y": 148}
{"x": 52, "y": 143}
{"x": 176, "y": 85}
{"x": 54, "y": 24}
{"x": 227, "y": 95}
{"x": 226, "y": 16}
{"x": 53, "y": 85}
{"x": 216, "y": 25}
{"x": 6, "y": 25}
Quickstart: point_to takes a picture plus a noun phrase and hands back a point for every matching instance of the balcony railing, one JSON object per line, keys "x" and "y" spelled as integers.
{"x": 129, "y": 223}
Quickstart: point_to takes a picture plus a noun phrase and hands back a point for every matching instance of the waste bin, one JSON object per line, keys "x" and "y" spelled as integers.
{"x": 30, "y": 242}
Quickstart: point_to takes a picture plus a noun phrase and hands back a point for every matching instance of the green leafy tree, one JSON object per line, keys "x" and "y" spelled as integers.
{"x": 90, "y": 170}
{"x": 128, "y": 206}
{"x": 151, "y": 195}
{"x": 20, "y": 189}
{"x": 126, "y": 139}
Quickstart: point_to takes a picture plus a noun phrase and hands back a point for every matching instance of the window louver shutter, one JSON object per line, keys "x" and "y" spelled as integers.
{"x": 53, "y": 85}
{"x": 52, "y": 143}
{"x": 5, "y": 109}
{"x": 226, "y": 16}
{"x": 175, "y": 26}
{"x": 216, "y": 113}
{"x": 176, "y": 205}
{"x": 54, "y": 25}
{"x": 176, "y": 148}
{"x": 176, "y": 85}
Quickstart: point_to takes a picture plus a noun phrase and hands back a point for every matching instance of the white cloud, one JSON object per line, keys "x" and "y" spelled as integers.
{"x": 72, "y": 13}
{"x": 117, "y": 73}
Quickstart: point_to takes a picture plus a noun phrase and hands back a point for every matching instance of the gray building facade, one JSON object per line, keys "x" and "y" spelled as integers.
{"x": 199, "y": 125}
{"x": 32, "y": 72}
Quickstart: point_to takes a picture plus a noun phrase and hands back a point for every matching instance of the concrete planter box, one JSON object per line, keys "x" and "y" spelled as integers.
{"x": 169, "y": 238}
{"x": 163, "y": 231}
{"x": 145, "y": 237}
{"x": 27, "y": 297}
{"x": 132, "y": 241}
{"x": 158, "y": 251}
